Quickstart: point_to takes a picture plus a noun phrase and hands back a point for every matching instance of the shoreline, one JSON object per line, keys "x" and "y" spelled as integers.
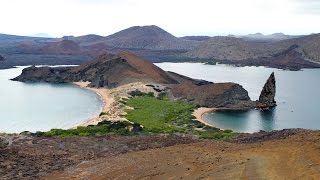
{"x": 111, "y": 98}
{"x": 104, "y": 95}
{"x": 198, "y": 113}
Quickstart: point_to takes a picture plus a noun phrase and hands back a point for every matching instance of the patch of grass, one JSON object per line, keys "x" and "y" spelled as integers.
{"x": 216, "y": 135}
{"x": 163, "y": 96}
{"x": 159, "y": 116}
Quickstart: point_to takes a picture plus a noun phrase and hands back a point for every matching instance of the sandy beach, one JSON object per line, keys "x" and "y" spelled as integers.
{"x": 198, "y": 113}
{"x": 106, "y": 98}
{"x": 111, "y": 98}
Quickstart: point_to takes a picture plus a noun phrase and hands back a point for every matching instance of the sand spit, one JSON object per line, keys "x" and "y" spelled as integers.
{"x": 113, "y": 109}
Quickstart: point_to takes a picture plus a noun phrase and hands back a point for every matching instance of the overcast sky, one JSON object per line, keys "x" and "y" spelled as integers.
{"x": 179, "y": 17}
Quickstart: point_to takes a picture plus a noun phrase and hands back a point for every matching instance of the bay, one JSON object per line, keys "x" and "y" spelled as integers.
{"x": 297, "y": 96}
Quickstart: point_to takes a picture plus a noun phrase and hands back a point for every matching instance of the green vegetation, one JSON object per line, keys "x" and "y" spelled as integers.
{"x": 159, "y": 115}
{"x": 155, "y": 114}
{"x": 138, "y": 93}
{"x": 103, "y": 128}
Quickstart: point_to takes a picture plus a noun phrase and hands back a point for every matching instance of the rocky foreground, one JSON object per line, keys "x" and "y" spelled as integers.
{"x": 285, "y": 154}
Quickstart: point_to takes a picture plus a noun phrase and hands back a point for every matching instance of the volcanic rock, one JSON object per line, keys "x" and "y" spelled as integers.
{"x": 106, "y": 70}
{"x": 266, "y": 98}
{"x": 208, "y": 94}
{"x": 3, "y": 143}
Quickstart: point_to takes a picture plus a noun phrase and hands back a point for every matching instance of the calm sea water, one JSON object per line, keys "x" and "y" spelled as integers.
{"x": 297, "y": 96}
{"x": 43, "y": 106}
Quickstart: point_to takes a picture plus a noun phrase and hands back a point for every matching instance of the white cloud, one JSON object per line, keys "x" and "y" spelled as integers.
{"x": 180, "y": 17}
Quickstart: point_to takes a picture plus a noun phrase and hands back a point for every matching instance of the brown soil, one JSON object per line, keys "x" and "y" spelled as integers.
{"x": 286, "y": 154}
{"x": 293, "y": 157}
{"x": 30, "y": 157}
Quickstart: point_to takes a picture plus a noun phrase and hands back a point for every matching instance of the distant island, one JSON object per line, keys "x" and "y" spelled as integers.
{"x": 155, "y": 44}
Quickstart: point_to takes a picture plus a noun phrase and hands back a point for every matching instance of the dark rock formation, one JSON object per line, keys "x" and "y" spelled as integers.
{"x": 204, "y": 93}
{"x": 266, "y": 98}
{"x": 42, "y": 74}
{"x": 1, "y": 58}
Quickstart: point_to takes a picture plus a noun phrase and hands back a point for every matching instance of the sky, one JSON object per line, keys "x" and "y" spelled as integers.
{"x": 179, "y": 17}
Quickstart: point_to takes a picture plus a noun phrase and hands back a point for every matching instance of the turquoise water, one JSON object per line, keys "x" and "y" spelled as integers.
{"x": 297, "y": 96}
{"x": 42, "y": 106}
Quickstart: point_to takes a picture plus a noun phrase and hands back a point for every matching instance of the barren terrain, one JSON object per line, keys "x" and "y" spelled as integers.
{"x": 286, "y": 154}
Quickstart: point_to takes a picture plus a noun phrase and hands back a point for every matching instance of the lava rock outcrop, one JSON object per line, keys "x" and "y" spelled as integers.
{"x": 266, "y": 98}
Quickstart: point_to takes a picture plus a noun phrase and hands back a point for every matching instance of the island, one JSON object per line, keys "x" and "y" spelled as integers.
{"x": 113, "y": 71}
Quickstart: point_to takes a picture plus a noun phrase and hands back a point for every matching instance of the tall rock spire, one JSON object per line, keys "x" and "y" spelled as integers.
{"x": 266, "y": 98}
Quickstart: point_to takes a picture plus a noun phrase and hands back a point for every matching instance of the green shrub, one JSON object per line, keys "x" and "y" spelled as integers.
{"x": 138, "y": 93}
{"x": 227, "y": 131}
{"x": 103, "y": 113}
{"x": 103, "y": 128}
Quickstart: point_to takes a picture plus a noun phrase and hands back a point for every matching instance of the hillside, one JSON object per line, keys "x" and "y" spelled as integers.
{"x": 157, "y": 45}
{"x": 232, "y": 48}
{"x": 310, "y": 45}
{"x": 270, "y": 37}
{"x": 106, "y": 70}
{"x": 148, "y": 37}
{"x": 113, "y": 70}
{"x": 293, "y": 58}
{"x": 229, "y": 49}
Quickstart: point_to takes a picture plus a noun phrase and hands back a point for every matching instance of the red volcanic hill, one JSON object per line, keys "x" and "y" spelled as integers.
{"x": 109, "y": 70}
{"x": 62, "y": 47}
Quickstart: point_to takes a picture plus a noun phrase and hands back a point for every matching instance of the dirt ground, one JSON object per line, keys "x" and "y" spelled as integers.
{"x": 293, "y": 157}
{"x": 286, "y": 154}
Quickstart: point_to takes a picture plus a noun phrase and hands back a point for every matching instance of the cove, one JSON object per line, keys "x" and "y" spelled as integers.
{"x": 43, "y": 106}
{"x": 297, "y": 96}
